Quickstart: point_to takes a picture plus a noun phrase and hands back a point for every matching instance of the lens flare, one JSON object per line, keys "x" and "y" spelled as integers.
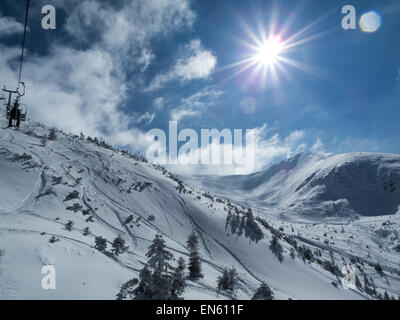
{"x": 248, "y": 105}
{"x": 370, "y": 21}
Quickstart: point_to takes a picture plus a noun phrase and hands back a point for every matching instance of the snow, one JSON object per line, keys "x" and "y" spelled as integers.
{"x": 113, "y": 187}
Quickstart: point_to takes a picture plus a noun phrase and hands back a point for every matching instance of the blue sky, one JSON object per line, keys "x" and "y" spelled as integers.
{"x": 119, "y": 68}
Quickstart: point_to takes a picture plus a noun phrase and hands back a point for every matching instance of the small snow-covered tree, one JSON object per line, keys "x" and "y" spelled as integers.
{"x": 158, "y": 255}
{"x": 276, "y": 248}
{"x": 155, "y": 279}
{"x": 263, "y": 293}
{"x": 69, "y": 225}
{"x": 158, "y": 261}
{"x": 52, "y": 134}
{"x": 223, "y": 281}
{"x": 228, "y": 281}
{"x": 126, "y": 290}
{"x": 194, "y": 257}
{"x": 118, "y": 246}
{"x": 44, "y": 141}
{"x": 53, "y": 239}
{"x": 233, "y": 280}
{"x": 178, "y": 282}
{"x": 145, "y": 288}
{"x": 100, "y": 243}
{"x": 86, "y": 231}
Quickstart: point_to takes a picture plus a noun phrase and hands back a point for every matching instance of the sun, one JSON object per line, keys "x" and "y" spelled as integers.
{"x": 268, "y": 53}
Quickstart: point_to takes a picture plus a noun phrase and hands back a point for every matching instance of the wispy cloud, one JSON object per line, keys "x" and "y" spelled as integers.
{"x": 318, "y": 146}
{"x": 158, "y": 103}
{"x": 196, "y": 104}
{"x": 195, "y": 63}
{"x": 146, "y": 117}
{"x": 9, "y": 26}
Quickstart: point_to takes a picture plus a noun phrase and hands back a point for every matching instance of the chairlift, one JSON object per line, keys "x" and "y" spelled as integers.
{"x": 15, "y": 110}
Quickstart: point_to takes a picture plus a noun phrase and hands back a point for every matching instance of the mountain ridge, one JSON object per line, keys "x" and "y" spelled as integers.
{"x": 343, "y": 180}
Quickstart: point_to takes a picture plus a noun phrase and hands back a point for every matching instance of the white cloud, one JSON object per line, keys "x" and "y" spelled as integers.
{"x": 9, "y": 26}
{"x": 158, "y": 103}
{"x": 195, "y": 104}
{"x": 318, "y": 146}
{"x": 267, "y": 150}
{"x": 129, "y": 27}
{"x": 197, "y": 63}
{"x": 82, "y": 90}
{"x": 146, "y": 117}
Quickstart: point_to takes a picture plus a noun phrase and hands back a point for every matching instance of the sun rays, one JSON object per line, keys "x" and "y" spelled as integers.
{"x": 270, "y": 50}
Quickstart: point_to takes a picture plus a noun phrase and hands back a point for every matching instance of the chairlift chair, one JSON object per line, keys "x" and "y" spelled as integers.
{"x": 15, "y": 111}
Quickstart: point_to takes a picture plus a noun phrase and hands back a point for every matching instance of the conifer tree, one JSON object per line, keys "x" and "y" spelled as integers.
{"x": 178, "y": 282}
{"x": 263, "y": 293}
{"x": 100, "y": 243}
{"x": 86, "y": 231}
{"x": 118, "y": 246}
{"x": 223, "y": 281}
{"x": 194, "y": 257}
{"x": 276, "y": 248}
{"x": 144, "y": 291}
{"x": 69, "y": 225}
{"x": 52, "y": 134}
{"x": 158, "y": 261}
{"x": 228, "y": 281}
{"x": 127, "y": 290}
{"x": 155, "y": 279}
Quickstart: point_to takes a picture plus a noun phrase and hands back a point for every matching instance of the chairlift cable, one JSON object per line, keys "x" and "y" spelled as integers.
{"x": 23, "y": 42}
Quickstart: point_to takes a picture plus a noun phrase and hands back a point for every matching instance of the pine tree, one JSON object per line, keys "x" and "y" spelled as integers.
{"x": 155, "y": 281}
{"x": 178, "y": 282}
{"x": 100, "y": 243}
{"x": 118, "y": 246}
{"x": 127, "y": 289}
{"x": 158, "y": 260}
{"x": 233, "y": 280}
{"x": 194, "y": 257}
{"x": 86, "y": 231}
{"x": 69, "y": 225}
{"x": 223, "y": 281}
{"x": 44, "y": 141}
{"x": 144, "y": 291}
{"x": 52, "y": 135}
{"x": 263, "y": 293}
{"x": 228, "y": 281}
{"x": 53, "y": 239}
{"x": 158, "y": 255}
{"x": 276, "y": 248}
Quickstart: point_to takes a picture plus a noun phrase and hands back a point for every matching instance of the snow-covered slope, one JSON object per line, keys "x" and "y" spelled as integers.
{"x": 42, "y": 187}
{"x": 365, "y": 184}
